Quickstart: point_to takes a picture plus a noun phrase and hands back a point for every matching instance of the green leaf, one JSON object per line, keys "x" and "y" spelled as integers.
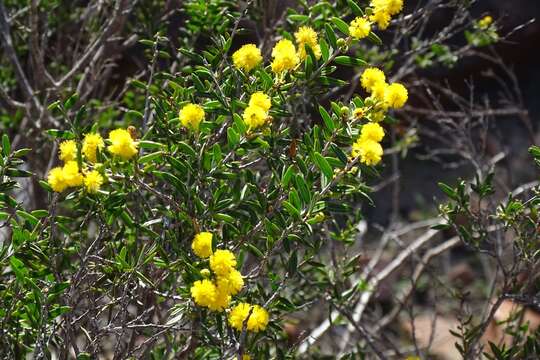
{"x": 53, "y": 106}
{"x": 294, "y": 212}
{"x": 18, "y": 268}
{"x": 298, "y": 18}
{"x": 138, "y": 84}
{"x": 147, "y": 42}
{"x": 18, "y": 173}
{"x": 6, "y": 145}
{"x": 254, "y": 250}
{"x": 71, "y": 101}
{"x": 28, "y": 217}
{"x": 330, "y": 35}
{"x": 135, "y": 114}
{"x": 232, "y": 137}
{"x": 325, "y": 51}
{"x": 323, "y": 165}
{"x": 151, "y": 145}
{"x": 374, "y": 38}
{"x": 285, "y": 180}
{"x": 339, "y": 153}
{"x": 341, "y": 25}
{"x": 355, "y": 8}
{"x": 21, "y": 152}
{"x": 149, "y": 157}
{"x": 302, "y": 187}
{"x": 61, "y": 134}
{"x": 448, "y": 191}
{"x": 349, "y": 61}
{"x": 327, "y": 119}
{"x": 186, "y": 149}
{"x": 240, "y": 124}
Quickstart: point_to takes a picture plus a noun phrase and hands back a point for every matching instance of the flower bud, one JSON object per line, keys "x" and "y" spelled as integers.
{"x": 205, "y": 273}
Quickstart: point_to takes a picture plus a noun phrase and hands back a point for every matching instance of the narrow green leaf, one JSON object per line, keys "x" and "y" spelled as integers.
{"x": 325, "y": 51}
{"x": 232, "y": 137}
{"x": 294, "y": 212}
{"x": 355, "y": 8}
{"x": 152, "y": 145}
{"x": 6, "y": 145}
{"x": 327, "y": 119}
{"x": 285, "y": 180}
{"x": 61, "y": 134}
{"x": 374, "y": 38}
{"x": 349, "y": 61}
{"x": 341, "y": 25}
{"x": 330, "y": 35}
{"x": 323, "y": 165}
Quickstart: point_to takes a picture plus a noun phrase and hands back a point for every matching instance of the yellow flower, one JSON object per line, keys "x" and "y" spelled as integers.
{"x": 285, "y": 56}
{"x": 378, "y": 91}
{"x": 202, "y": 244}
{"x": 359, "y": 113}
{"x": 485, "y": 22}
{"x": 307, "y": 36}
{"x": 372, "y": 131}
{"x": 246, "y": 357}
{"x": 258, "y": 320}
{"x": 122, "y": 144}
{"x": 56, "y": 179}
{"x": 231, "y": 283}
{"x": 370, "y": 151}
{"x": 221, "y": 301}
{"x": 395, "y": 95}
{"x": 203, "y": 292}
{"x": 261, "y": 100}
{"x": 91, "y": 143}
{"x": 222, "y": 262}
{"x": 359, "y": 28}
{"x": 392, "y": 7}
{"x": 68, "y": 150}
{"x": 254, "y": 117}
{"x": 93, "y": 181}
{"x": 371, "y": 77}
{"x": 71, "y": 174}
{"x": 382, "y": 18}
{"x": 247, "y": 57}
{"x": 191, "y": 116}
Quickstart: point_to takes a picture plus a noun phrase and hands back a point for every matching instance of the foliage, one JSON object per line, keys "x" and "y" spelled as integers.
{"x": 143, "y": 180}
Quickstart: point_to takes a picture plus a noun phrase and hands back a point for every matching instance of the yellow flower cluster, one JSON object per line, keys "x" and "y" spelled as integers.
{"x": 91, "y": 144}
{"x": 368, "y": 145}
{"x": 306, "y": 36}
{"x": 360, "y": 28}
{"x": 247, "y": 57}
{"x": 383, "y": 10}
{"x": 285, "y": 56}
{"x": 257, "y": 321}
{"x": 122, "y": 144}
{"x": 215, "y": 294}
{"x": 383, "y": 96}
{"x": 381, "y": 13}
{"x": 191, "y": 116}
{"x": 387, "y": 96}
{"x": 62, "y": 177}
{"x": 256, "y": 114}
{"x": 202, "y": 244}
